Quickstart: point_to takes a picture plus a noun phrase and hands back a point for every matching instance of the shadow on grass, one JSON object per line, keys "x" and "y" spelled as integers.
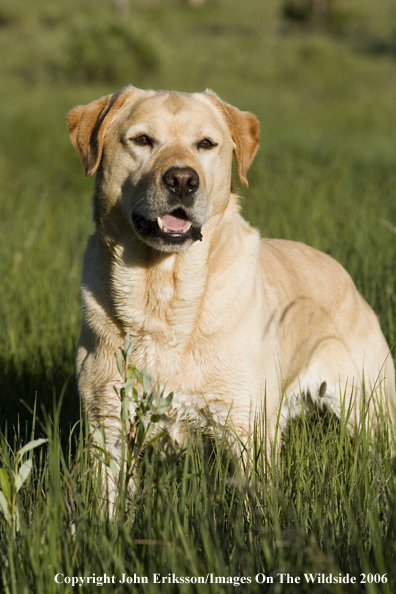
{"x": 42, "y": 390}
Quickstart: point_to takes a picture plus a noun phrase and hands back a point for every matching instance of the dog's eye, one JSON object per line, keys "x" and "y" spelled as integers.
{"x": 206, "y": 143}
{"x": 143, "y": 140}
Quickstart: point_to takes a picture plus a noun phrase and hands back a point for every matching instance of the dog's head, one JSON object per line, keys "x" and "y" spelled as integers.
{"x": 164, "y": 159}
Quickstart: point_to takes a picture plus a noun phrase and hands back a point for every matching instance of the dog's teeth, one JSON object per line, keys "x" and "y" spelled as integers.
{"x": 166, "y": 230}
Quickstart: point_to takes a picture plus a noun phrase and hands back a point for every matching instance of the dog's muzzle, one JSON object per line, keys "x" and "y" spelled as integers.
{"x": 173, "y": 228}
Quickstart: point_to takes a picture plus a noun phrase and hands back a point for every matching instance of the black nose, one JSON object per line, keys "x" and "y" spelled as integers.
{"x": 181, "y": 180}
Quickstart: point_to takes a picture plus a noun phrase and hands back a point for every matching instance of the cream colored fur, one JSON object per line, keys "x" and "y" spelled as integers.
{"x": 232, "y": 324}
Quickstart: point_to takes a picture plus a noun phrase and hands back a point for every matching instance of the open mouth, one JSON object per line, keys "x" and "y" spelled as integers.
{"x": 175, "y": 222}
{"x": 174, "y": 227}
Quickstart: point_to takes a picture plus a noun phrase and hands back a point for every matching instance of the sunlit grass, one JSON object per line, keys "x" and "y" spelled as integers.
{"x": 327, "y": 507}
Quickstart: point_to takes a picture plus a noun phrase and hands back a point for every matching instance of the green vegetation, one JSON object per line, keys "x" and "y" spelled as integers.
{"x": 325, "y": 175}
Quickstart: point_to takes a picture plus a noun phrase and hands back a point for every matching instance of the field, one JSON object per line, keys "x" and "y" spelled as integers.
{"x": 324, "y": 89}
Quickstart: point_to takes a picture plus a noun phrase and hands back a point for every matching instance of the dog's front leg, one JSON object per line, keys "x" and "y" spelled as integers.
{"x": 99, "y": 384}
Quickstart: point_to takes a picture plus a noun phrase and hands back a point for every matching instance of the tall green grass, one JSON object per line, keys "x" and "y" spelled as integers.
{"x": 327, "y": 507}
{"x": 325, "y": 175}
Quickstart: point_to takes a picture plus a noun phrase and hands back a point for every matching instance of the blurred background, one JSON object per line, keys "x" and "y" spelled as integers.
{"x": 319, "y": 74}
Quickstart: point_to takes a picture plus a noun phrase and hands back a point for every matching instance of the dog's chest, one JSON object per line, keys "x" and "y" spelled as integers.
{"x": 187, "y": 326}
{"x": 158, "y": 311}
{"x": 158, "y": 305}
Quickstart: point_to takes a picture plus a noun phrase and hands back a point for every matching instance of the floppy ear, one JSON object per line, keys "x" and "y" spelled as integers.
{"x": 87, "y": 127}
{"x": 245, "y": 132}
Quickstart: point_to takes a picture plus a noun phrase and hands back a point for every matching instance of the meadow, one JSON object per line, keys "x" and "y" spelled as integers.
{"x": 324, "y": 89}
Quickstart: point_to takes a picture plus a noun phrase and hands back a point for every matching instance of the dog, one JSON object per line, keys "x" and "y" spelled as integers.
{"x": 234, "y": 325}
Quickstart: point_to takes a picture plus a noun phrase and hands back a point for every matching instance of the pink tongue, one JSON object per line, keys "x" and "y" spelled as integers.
{"x": 173, "y": 223}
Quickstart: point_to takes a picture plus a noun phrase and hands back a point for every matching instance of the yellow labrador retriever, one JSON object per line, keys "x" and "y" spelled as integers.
{"x": 233, "y": 324}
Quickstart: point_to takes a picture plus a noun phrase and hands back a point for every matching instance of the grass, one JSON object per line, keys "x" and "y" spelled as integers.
{"x": 329, "y": 508}
{"x": 325, "y": 175}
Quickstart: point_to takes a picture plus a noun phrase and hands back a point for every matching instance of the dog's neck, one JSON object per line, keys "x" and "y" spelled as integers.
{"x": 160, "y": 296}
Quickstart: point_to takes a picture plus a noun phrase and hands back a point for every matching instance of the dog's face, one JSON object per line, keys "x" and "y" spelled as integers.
{"x": 164, "y": 159}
